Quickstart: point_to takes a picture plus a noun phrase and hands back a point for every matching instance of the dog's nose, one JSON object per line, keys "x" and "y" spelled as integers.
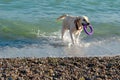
{"x": 88, "y": 23}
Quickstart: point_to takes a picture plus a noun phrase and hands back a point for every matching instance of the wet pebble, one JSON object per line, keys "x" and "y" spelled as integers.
{"x": 71, "y": 68}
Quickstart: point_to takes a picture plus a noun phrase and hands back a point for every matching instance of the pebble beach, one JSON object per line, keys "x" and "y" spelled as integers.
{"x": 67, "y": 68}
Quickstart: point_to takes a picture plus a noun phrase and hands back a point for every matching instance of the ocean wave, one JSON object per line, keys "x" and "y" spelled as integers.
{"x": 29, "y": 28}
{"x": 54, "y": 47}
{"x": 11, "y": 29}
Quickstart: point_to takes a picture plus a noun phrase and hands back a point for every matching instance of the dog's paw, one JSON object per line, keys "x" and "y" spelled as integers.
{"x": 70, "y": 45}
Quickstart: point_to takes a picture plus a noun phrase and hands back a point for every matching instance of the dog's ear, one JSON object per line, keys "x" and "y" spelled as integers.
{"x": 77, "y": 23}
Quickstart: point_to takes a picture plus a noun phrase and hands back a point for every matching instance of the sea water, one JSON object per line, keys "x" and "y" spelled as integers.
{"x": 28, "y": 28}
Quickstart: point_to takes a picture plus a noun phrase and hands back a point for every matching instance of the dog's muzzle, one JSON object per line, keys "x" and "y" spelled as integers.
{"x": 86, "y": 24}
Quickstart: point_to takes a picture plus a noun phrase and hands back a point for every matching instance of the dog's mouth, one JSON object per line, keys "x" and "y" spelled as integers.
{"x": 86, "y": 24}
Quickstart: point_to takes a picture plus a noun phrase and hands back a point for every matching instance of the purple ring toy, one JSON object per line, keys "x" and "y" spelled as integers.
{"x": 85, "y": 29}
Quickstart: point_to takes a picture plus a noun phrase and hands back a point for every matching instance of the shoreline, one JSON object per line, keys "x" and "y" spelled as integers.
{"x": 50, "y": 68}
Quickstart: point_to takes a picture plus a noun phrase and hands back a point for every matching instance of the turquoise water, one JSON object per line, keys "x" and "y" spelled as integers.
{"x": 29, "y": 28}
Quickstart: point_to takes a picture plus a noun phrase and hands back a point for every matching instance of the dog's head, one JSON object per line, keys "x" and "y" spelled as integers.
{"x": 85, "y": 21}
{"x": 81, "y": 21}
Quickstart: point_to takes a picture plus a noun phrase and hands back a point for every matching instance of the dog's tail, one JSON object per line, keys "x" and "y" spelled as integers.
{"x": 62, "y": 17}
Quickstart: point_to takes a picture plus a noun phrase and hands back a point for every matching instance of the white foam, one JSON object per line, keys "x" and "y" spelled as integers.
{"x": 55, "y": 47}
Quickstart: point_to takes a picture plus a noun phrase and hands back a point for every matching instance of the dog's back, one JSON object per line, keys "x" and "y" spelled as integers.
{"x": 69, "y": 21}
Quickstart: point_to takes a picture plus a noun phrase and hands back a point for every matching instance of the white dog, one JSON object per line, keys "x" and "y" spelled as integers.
{"x": 74, "y": 24}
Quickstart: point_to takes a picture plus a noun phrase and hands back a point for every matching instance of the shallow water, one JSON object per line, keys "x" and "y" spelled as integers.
{"x": 28, "y": 28}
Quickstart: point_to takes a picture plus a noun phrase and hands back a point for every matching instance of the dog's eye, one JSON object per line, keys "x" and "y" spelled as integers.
{"x": 84, "y": 20}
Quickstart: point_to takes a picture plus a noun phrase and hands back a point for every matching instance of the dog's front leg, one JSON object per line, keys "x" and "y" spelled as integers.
{"x": 77, "y": 38}
{"x": 71, "y": 37}
{"x": 62, "y": 33}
